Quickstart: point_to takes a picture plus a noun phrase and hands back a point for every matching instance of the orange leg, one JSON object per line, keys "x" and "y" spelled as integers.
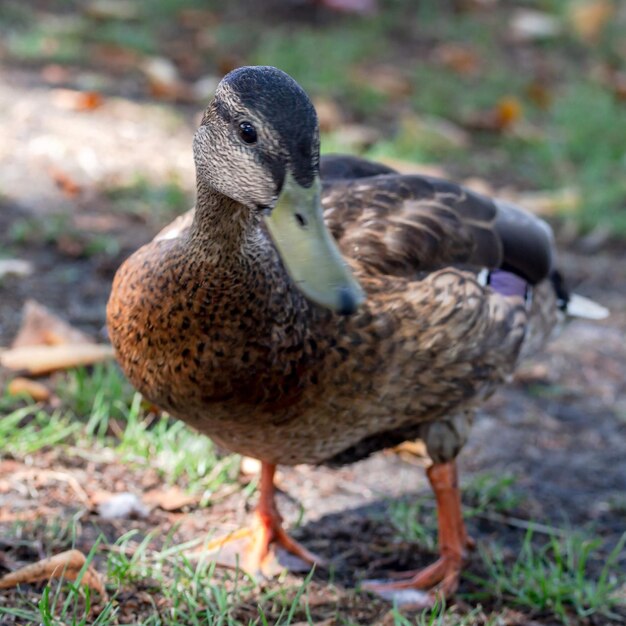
{"x": 441, "y": 579}
{"x": 266, "y": 529}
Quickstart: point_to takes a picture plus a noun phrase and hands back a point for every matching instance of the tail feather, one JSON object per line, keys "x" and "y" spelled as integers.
{"x": 573, "y": 304}
{"x": 579, "y": 306}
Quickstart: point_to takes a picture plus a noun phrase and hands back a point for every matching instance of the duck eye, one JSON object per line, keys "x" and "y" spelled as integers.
{"x": 247, "y": 132}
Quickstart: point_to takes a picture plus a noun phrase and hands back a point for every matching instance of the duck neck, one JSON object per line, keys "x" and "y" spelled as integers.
{"x": 223, "y": 227}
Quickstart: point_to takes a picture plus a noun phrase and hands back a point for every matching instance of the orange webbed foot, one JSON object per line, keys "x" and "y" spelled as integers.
{"x": 255, "y": 555}
{"x": 421, "y": 589}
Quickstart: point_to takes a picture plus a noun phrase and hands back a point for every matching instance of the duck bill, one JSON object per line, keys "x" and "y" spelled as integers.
{"x": 309, "y": 252}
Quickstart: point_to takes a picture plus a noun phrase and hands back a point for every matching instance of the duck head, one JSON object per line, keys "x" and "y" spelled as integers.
{"x": 258, "y": 144}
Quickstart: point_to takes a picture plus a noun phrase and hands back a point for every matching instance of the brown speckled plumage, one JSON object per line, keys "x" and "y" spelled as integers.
{"x": 207, "y": 324}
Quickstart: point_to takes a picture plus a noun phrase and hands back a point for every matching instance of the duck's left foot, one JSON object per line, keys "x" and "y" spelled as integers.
{"x": 440, "y": 580}
{"x": 256, "y": 555}
{"x": 423, "y": 588}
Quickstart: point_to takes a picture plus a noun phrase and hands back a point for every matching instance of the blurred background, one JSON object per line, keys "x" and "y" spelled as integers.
{"x": 526, "y": 99}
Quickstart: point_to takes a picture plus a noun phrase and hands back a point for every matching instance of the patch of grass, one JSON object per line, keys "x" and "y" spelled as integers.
{"x": 177, "y": 591}
{"x": 490, "y": 492}
{"x": 30, "y": 428}
{"x": 30, "y": 230}
{"x": 151, "y": 202}
{"x": 55, "y": 38}
{"x": 416, "y": 521}
{"x": 554, "y": 577}
{"x": 136, "y": 36}
{"x": 58, "y": 230}
{"x": 441, "y": 615}
{"x": 100, "y": 410}
{"x": 588, "y": 151}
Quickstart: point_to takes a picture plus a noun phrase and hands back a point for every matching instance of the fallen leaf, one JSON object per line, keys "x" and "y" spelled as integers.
{"x": 56, "y": 74}
{"x": 362, "y": 7}
{"x": 250, "y": 466}
{"x": 116, "y": 59}
{"x": 169, "y": 499}
{"x": 40, "y": 326}
{"x": 24, "y": 386}
{"x": 329, "y": 114}
{"x": 479, "y": 185}
{"x": 433, "y": 131}
{"x": 122, "y": 10}
{"x": 460, "y": 58}
{"x": 473, "y": 5}
{"x": 502, "y": 117}
{"x": 66, "y": 565}
{"x": 357, "y": 136}
{"x": 73, "y": 100}
{"x": 37, "y": 360}
{"x": 164, "y": 80}
{"x": 386, "y": 79}
{"x": 528, "y": 25}
{"x": 15, "y": 267}
{"x": 204, "y": 88}
{"x": 197, "y": 18}
{"x": 539, "y": 94}
{"x": 122, "y": 506}
{"x": 589, "y": 18}
{"x": 68, "y": 186}
{"x": 612, "y": 78}
{"x": 550, "y": 203}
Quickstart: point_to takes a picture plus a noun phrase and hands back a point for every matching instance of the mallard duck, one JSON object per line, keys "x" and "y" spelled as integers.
{"x": 319, "y": 310}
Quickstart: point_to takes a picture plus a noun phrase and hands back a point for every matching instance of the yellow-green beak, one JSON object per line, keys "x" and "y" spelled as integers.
{"x": 308, "y": 251}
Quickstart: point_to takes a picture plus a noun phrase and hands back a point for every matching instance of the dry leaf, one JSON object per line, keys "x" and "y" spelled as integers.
{"x": 170, "y": 499}
{"x": 249, "y": 466}
{"x": 528, "y": 25}
{"x": 460, "y": 58}
{"x": 164, "y": 80}
{"x": 386, "y": 79}
{"x": 329, "y": 114}
{"x": 56, "y": 74}
{"x": 15, "y": 267}
{"x": 116, "y": 59}
{"x": 539, "y": 94}
{"x": 69, "y": 187}
{"x": 112, "y": 10}
{"x": 434, "y": 131}
{"x": 37, "y": 391}
{"x": 479, "y": 185}
{"x": 506, "y": 113}
{"x": 204, "y": 88}
{"x": 363, "y": 7}
{"x": 66, "y": 565}
{"x": 550, "y": 203}
{"x": 589, "y": 18}
{"x": 73, "y": 100}
{"x": 37, "y": 360}
{"x": 42, "y": 327}
{"x": 612, "y": 78}
{"x": 357, "y": 137}
{"x": 197, "y": 18}
{"x": 122, "y": 506}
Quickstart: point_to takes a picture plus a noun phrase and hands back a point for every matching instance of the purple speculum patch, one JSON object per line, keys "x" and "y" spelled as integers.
{"x": 507, "y": 283}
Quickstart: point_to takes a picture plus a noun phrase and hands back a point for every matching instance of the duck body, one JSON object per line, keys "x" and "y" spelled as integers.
{"x": 316, "y": 311}
{"x": 225, "y": 341}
